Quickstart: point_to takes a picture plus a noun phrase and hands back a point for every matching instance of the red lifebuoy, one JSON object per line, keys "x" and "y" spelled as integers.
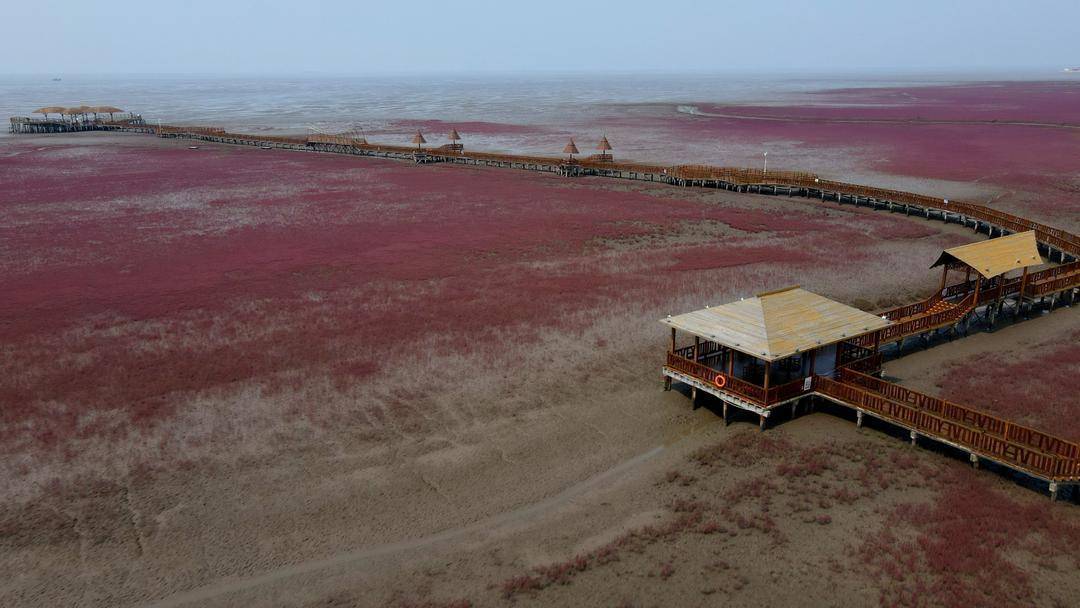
{"x": 720, "y": 381}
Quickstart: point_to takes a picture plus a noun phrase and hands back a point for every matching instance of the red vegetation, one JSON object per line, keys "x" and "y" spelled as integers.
{"x": 1052, "y": 102}
{"x": 142, "y": 274}
{"x": 464, "y": 128}
{"x": 1034, "y": 387}
{"x": 1038, "y": 162}
{"x": 968, "y": 546}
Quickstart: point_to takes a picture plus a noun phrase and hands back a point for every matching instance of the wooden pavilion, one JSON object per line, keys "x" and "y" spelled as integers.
{"x": 763, "y": 352}
{"x": 418, "y": 139}
{"x": 570, "y": 149}
{"x": 455, "y": 140}
{"x": 605, "y": 151}
{"x": 990, "y": 261}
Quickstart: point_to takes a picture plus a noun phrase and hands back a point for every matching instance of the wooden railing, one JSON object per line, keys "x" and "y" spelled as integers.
{"x": 965, "y": 287}
{"x": 910, "y": 310}
{"x": 1025, "y": 448}
{"x": 970, "y": 416}
{"x": 1050, "y": 235}
{"x": 917, "y": 325}
{"x": 736, "y": 386}
{"x": 868, "y": 364}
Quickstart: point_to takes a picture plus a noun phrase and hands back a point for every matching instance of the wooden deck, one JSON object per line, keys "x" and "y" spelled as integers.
{"x": 980, "y": 434}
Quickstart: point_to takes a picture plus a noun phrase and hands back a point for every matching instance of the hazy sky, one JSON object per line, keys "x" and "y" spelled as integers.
{"x": 393, "y": 36}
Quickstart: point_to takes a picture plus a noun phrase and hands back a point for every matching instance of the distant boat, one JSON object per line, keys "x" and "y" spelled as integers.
{"x": 1070, "y": 70}
{"x": 56, "y": 80}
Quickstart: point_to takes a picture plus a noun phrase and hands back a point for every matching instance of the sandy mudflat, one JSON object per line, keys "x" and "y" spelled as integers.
{"x": 251, "y": 377}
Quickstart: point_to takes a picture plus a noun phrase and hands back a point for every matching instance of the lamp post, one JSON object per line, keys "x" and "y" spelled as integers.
{"x": 765, "y": 169}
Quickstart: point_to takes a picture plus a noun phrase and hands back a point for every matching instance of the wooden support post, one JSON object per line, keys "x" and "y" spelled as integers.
{"x": 768, "y": 368}
{"x": 693, "y": 397}
{"x": 725, "y": 414}
{"x": 1020, "y": 295}
{"x": 761, "y": 422}
{"x": 975, "y": 299}
{"x": 672, "y": 339}
{"x": 944, "y": 276}
{"x": 697, "y": 348}
{"x": 731, "y": 362}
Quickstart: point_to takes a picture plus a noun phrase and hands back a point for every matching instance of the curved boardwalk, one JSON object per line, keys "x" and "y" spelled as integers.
{"x": 981, "y": 434}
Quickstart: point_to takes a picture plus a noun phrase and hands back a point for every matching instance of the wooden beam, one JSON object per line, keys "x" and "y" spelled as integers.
{"x": 1020, "y": 296}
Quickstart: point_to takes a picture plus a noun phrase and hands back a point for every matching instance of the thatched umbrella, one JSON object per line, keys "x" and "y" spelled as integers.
{"x": 454, "y": 139}
{"x": 418, "y": 139}
{"x": 83, "y": 110}
{"x": 110, "y": 110}
{"x": 571, "y": 149}
{"x": 604, "y": 146}
{"x": 49, "y": 110}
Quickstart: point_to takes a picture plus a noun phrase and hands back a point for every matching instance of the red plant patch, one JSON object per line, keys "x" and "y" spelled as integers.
{"x": 140, "y": 275}
{"x": 1037, "y": 387}
{"x": 963, "y": 548}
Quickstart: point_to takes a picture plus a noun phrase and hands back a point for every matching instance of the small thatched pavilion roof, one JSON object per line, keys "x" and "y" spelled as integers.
{"x": 454, "y": 135}
{"x": 997, "y": 256}
{"x": 50, "y": 110}
{"x": 604, "y": 145}
{"x": 571, "y": 147}
{"x": 418, "y": 138}
{"x": 105, "y": 109}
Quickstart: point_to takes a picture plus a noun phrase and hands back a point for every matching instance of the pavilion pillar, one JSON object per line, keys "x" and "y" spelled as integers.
{"x": 813, "y": 358}
{"x": 697, "y": 343}
{"x": 731, "y": 362}
{"x": 672, "y": 339}
{"x": 1020, "y": 296}
{"x": 944, "y": 276}
{"x": 768, "y": 368}
{"x": 975, "y": 300}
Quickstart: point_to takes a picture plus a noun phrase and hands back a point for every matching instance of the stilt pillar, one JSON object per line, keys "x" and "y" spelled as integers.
{"x": 1053, "y": 490}
{"x": 914, "y": 438}
{"x": 974, "y": 460}
{"x": 725, "y": 415}
{"x": 761, "y": 422}
{"x": 858, "y": 418}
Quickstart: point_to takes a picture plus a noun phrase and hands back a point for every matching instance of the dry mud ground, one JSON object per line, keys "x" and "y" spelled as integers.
{"x": 242, "y": 377}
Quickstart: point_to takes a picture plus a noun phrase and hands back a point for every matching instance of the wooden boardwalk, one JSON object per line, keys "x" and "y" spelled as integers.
{"x": 981, "y": 434}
